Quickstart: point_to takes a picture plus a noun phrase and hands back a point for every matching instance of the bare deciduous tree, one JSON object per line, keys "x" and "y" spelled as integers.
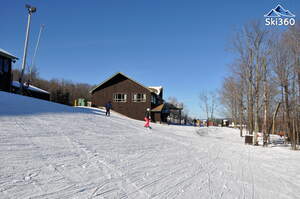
{"x": 208, "y": 103}
{"x": 267, "y": 67}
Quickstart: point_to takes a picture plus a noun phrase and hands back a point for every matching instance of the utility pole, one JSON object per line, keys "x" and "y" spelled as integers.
{"x": 30, "y": 11}
{"x": 36, "y": 48}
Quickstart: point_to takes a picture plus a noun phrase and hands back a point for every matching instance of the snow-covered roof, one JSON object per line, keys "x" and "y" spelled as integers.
{"x": 7, "y": 54}
{"x": 156, "y": 89}
{"x": 30, "y": 87}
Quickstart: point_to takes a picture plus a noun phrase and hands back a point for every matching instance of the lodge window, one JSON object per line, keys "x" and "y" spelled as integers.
{"x": 139, "y": 97}
{"x": 120, "y": 97}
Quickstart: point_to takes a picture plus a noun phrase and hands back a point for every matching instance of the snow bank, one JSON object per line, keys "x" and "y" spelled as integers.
{"x": 274, "y": 139}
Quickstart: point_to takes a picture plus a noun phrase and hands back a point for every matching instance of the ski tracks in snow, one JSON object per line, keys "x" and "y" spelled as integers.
{"x": 87, "y": 155}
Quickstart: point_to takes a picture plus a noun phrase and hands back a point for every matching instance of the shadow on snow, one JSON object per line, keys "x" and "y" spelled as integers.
{"x": 18, "y": 105}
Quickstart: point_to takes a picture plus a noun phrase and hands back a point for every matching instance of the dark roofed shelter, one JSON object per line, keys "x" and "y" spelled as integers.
{"x": 161, "y": 112}
{"x": 7, "y": 83}
{"x": 6, "y": 60}
{"x": 30, "y": 90}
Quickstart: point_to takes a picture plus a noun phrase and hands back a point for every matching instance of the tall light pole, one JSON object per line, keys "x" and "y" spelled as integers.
{"x": 30, "y": 11}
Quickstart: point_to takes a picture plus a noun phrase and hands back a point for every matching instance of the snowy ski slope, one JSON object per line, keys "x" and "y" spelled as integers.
{"x": 49, "y": 150}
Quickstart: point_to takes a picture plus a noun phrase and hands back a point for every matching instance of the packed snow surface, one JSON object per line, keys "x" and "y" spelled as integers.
{"x": 49, "y": 150}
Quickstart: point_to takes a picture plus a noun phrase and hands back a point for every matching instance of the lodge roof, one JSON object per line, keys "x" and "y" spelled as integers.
{"x": 7, "y": 54}
{"x": 158, "y": 108}
{"x": 169, "y": 106}
{"x": 153, "y": 89}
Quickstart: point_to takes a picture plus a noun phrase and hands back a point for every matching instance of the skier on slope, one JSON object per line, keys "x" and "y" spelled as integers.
{"x": 147, "y": 118}
{"x": 108, "y": 106}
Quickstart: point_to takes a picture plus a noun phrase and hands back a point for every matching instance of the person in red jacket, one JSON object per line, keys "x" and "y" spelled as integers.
{"x": 147, "y": 118}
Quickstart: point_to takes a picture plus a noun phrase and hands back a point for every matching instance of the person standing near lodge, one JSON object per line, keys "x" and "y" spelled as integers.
{"x": 147, "y": 118}
{"x": 168, "y": 119}
{"x": 194, "y": 122}
{"x": 108, "y": 106}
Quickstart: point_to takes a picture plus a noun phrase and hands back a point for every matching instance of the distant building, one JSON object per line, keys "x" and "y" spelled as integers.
{"x": 6, "y": 60}
{"x": 131, "y": 98}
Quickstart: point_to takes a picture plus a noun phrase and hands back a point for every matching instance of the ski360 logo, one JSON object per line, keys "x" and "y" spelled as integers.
{"x": 279, "y": 17}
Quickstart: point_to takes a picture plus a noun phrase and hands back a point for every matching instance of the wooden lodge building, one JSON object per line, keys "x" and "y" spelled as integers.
{"x": 131, "y": 98}
{"x": 6, "y": 60}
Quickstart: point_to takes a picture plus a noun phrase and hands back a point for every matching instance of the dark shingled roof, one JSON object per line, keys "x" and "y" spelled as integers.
{"x": 169, "y": 106}
{"x": 151, "y": 89}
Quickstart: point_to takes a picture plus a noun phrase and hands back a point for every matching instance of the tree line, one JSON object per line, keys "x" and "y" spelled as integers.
{"x": 262, "y": 89}
{"x": 62, "y": 91}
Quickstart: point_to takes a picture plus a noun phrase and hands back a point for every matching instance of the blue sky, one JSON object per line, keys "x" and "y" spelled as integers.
{"x": 180, "y": 45}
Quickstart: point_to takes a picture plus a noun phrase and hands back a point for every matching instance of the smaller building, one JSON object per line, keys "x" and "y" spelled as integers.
{"x": 30, "y": 90}
{"x": 166, "y": 113}
{"x": 225, "y": 123}
{"x": 6, "y": 60}
{"x": 82, "y": 102}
